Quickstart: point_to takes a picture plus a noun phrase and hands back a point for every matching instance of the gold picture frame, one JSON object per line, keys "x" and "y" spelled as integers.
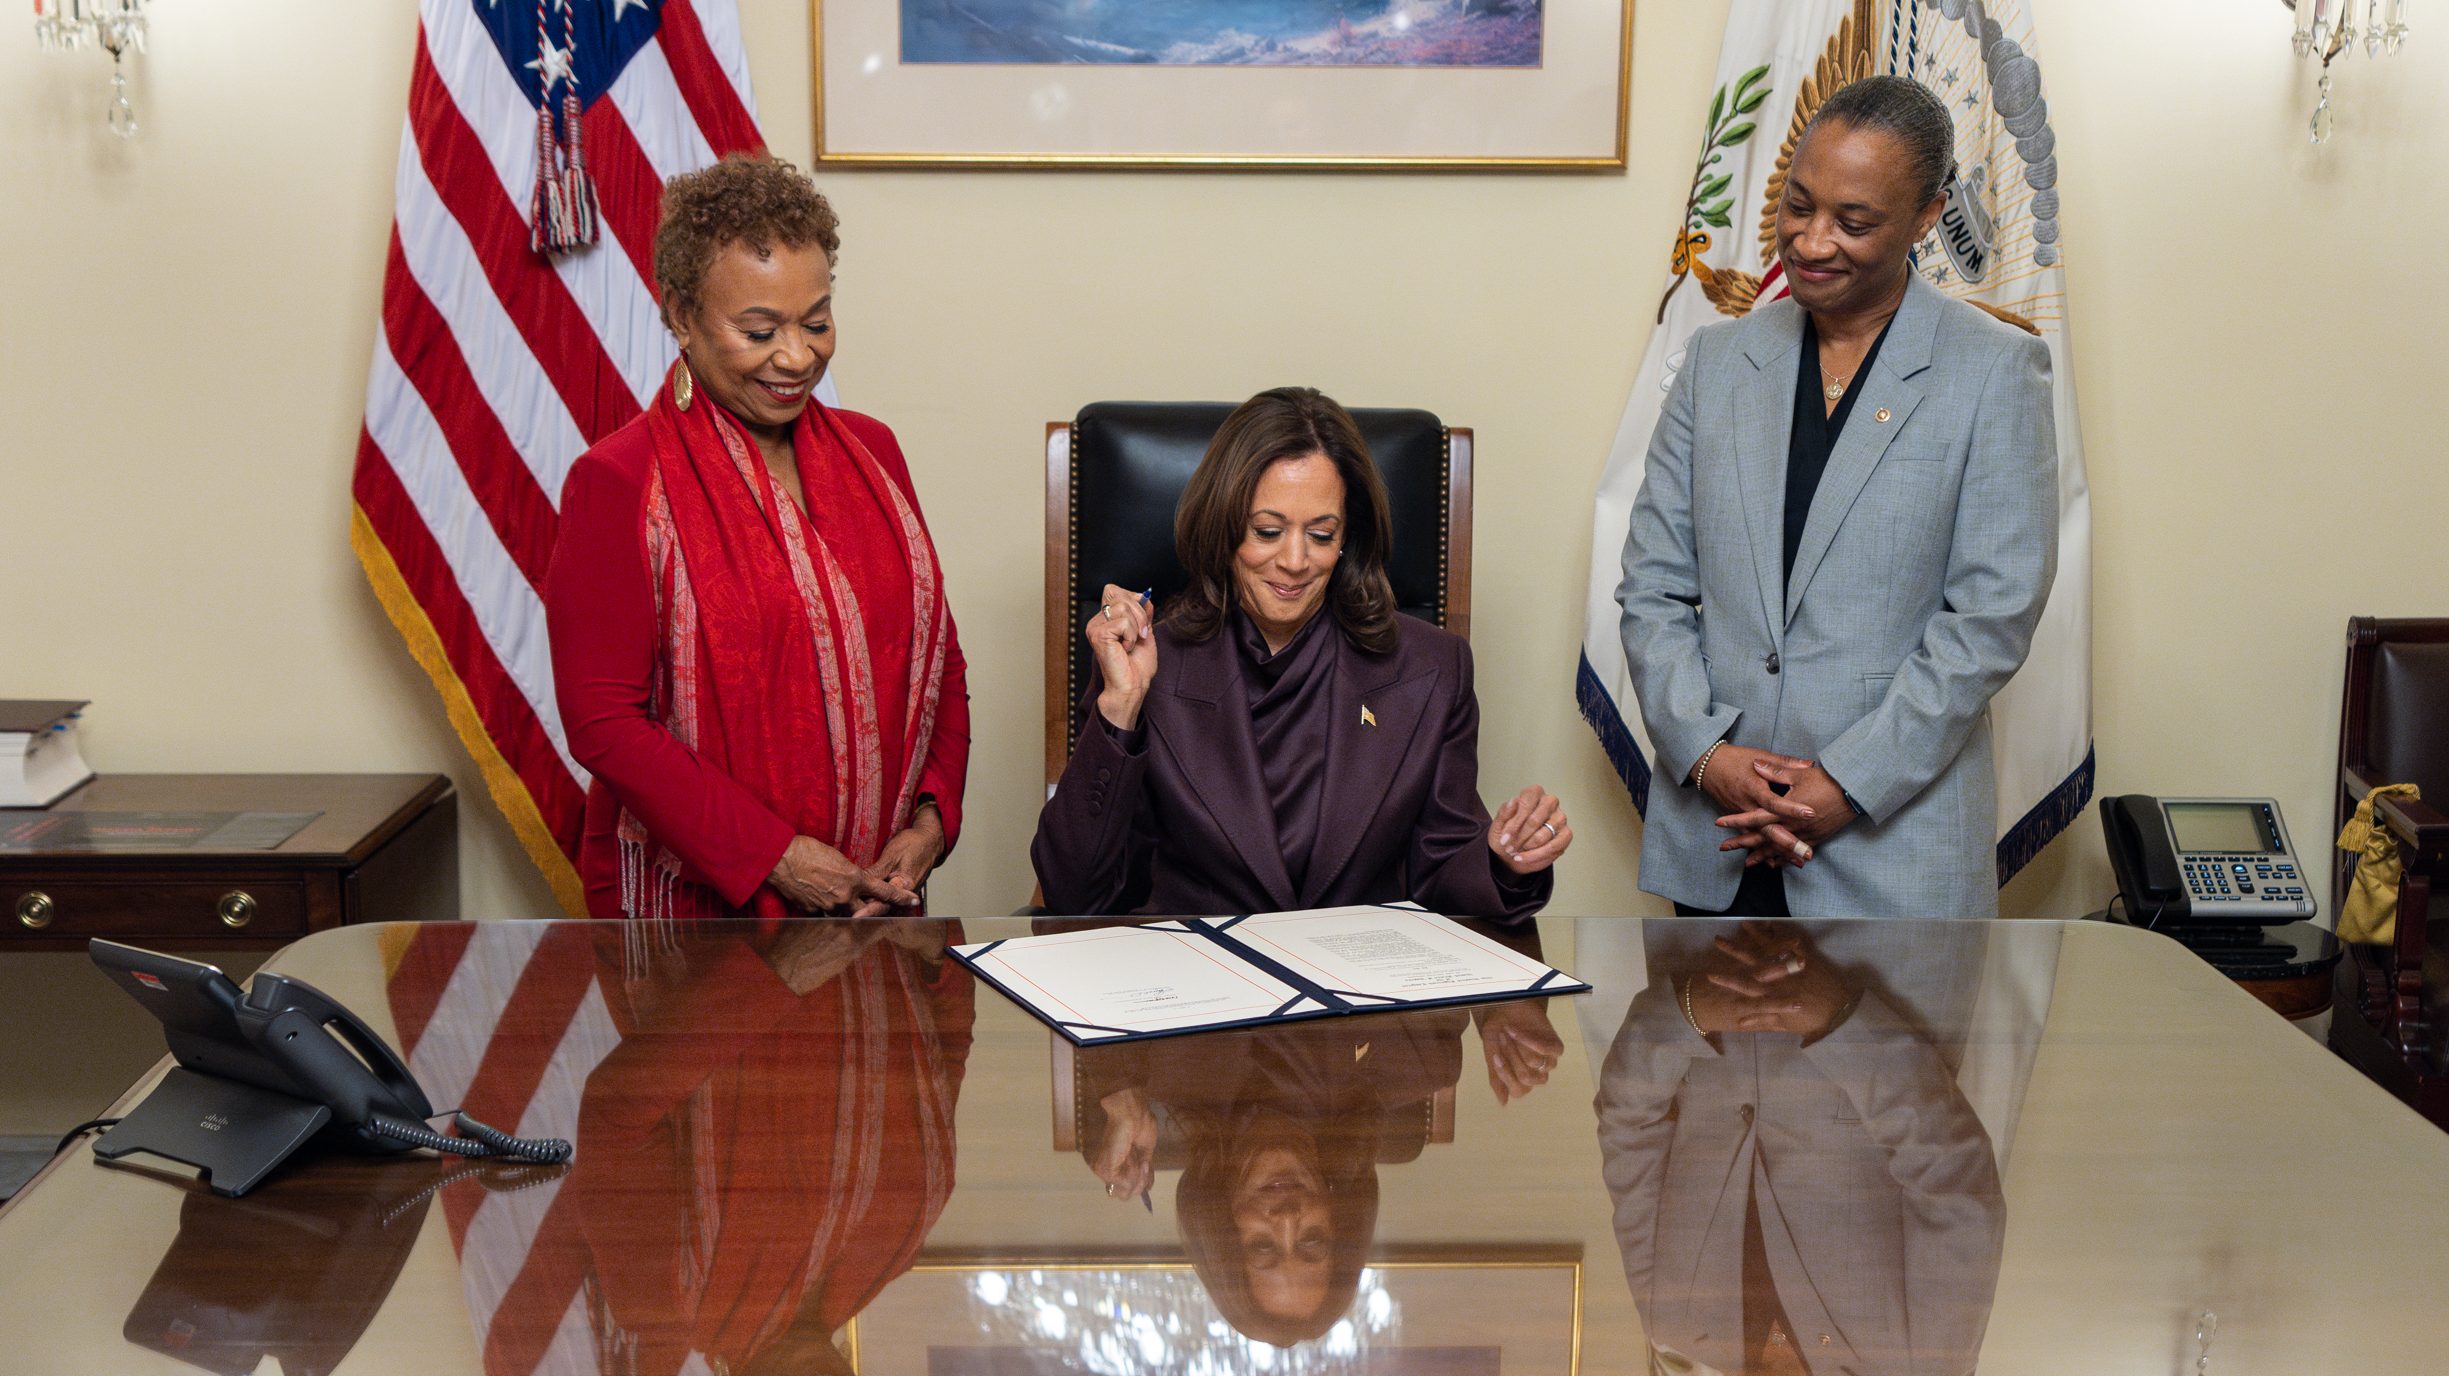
{"x": 1568, "y": 114}
{"x": 909, "y": 1318}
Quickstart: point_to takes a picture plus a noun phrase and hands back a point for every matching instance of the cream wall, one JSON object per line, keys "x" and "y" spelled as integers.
{"x": 185, "y": 323}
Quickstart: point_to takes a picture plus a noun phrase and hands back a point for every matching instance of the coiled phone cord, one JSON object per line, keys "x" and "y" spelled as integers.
{"x": 475, "y": 1139}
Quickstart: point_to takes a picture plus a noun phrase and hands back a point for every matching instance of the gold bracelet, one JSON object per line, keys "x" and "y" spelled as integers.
{"x": 1687, "y": 1001}
{"x": 1701, "y": 771}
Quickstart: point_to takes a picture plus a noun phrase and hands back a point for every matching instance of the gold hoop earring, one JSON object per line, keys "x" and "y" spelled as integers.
{"x": 684, "y": 388}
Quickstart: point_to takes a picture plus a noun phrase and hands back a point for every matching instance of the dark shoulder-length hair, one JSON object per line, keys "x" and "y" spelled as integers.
{"x": 1214, "y": 517}
{"x": 1221, "y": 1145}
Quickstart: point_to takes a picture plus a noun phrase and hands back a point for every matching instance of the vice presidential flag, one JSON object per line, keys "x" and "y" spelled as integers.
{"x": 519, "y": 326}
{"x": 1996, "y": 245}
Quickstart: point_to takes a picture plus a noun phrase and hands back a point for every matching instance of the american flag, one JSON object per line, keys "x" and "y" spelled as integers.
{"x": 500, "y": 361}
{"x": 510, "y": 1039}
{"x": 667, "y": 1244}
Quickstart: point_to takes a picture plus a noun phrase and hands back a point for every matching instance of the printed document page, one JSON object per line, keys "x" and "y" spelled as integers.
{"x": 1116, "y": 981}
{"x": 1388, "y": 953}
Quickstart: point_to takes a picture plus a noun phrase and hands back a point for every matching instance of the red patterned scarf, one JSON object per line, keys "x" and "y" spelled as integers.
{"x": 764, "y": 667}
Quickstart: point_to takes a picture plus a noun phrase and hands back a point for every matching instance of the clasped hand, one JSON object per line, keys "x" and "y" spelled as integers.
{"x": 1781, "y": 809}
{"x": 816, "y": 878}
{"x": 1767, "y": 977}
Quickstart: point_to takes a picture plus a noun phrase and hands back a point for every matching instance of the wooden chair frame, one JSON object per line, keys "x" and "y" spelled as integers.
{"x": 2379, "y": 1021}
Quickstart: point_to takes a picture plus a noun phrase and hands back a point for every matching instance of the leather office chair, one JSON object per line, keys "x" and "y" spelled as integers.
{"x": 1116, "y": 471}
{"x": 2390, "y": 1020}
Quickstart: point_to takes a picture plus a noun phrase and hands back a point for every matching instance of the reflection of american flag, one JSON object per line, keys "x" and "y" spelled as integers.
{"x": 496, "y": 366}
{"x": 511, "y": 1039}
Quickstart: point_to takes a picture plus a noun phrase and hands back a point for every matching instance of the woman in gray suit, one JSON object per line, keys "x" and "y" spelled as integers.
{"x": 1845, "y": 534}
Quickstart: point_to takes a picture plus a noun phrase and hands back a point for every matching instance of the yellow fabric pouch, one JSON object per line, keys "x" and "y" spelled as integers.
{"x": 2370, "y": 914}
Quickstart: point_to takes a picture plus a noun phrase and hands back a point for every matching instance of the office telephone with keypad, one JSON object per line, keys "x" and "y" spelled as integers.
{"x": 2209, "y": 862}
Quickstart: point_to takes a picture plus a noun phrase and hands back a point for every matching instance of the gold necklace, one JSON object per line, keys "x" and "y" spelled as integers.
{"x": 1836, "y": 387}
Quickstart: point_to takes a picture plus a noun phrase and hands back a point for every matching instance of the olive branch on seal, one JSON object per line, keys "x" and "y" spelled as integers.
{"x": 1708, "y": 204}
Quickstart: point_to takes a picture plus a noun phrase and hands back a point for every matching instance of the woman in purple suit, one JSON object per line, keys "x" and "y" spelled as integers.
{"x": 1281, "y": 737}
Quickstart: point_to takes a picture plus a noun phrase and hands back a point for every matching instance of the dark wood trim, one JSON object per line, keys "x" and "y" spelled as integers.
{"x": 2299, "y": 996}
{"x": 380, "y": 847}
{"x": 2380, "y": 1011}
{"x": 1057, "y": 629}
{"x": 1457, "y": 533}
{"x": 2355, "y": 707}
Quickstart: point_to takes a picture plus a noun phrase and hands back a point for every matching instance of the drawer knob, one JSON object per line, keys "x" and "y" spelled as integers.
{"x": 35, "y": 909}
{"x": 236, "y": 908}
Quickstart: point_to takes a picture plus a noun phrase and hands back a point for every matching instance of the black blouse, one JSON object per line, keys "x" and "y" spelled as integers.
{"x": 1816, "y": 429}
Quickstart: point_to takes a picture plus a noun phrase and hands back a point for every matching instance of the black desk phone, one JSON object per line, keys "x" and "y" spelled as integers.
{"x": 2205, "y": 862}
{"x": 264, "y": 1072}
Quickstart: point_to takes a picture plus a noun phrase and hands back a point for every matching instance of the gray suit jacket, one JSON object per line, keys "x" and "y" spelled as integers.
{"x": 1923, "y": 570}
{"x": 1881, "y": 1209}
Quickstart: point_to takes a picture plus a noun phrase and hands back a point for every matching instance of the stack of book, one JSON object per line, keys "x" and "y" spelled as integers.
{"x": 39, "y": 763}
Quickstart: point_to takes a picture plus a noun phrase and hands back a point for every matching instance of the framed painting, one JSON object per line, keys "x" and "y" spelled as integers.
{"x": 1510, "y": 1310}
{"x": 1367, "y": 84}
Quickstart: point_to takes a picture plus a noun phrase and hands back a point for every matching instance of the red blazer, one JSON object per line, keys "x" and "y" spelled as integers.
{"x": 1178, "y": 823}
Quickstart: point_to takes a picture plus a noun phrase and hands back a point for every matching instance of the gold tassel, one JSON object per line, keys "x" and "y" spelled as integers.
{"x": 2370, "y": 914}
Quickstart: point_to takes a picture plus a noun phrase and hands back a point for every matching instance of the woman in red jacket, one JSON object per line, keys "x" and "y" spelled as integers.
{"x": 751, "y": 647}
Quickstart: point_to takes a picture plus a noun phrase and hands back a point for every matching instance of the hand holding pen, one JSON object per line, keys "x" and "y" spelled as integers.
{"x": 1122, "y": 638}
{"x": 1126, "y": 1157}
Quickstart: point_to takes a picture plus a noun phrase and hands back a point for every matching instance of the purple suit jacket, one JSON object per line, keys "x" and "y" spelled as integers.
{"x": 1182, "y": 825}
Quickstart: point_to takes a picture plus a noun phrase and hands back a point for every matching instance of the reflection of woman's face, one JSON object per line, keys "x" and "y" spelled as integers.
{"x": 1287, "y": 1233}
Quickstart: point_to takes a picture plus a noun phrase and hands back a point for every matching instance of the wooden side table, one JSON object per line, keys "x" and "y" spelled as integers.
{"x": 379, "y": 848}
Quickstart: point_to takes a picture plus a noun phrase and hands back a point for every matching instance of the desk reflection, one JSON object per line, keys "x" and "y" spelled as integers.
{"x": 764, "y": 1125}
{"x": 1279, "y": 1133}
{"x": 1805, "y": 1188}
{"x": 296, "y": 1271}
{"x": 2147, "y": 1118}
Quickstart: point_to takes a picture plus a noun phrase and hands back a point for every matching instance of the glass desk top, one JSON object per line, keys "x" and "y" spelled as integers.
{"x": 1941, "y": 1147}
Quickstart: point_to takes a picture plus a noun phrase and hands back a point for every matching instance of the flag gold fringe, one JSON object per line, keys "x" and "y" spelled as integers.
{"x": 517, "y": 805}
{"x": 393, "y": 944}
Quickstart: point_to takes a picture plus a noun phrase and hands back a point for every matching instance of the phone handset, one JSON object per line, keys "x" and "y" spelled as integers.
{"x": 2150, "y": 847}
{"x": 355, "y": 1087}
{"x": 372, "y": 1091}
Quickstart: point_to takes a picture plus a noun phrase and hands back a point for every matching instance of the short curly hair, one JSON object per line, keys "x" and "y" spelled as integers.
{"x": 755, "y": 199}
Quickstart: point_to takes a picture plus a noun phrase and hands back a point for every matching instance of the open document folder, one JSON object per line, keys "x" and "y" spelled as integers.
{"x": 1195, "y": 974}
